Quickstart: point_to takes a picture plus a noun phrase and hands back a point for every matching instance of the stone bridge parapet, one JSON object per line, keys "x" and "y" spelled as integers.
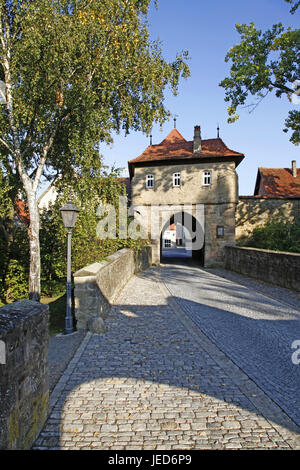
{"x": 277, "y": 267}
{"x": 98, "y": 285}
{"x": 24, "y": 373}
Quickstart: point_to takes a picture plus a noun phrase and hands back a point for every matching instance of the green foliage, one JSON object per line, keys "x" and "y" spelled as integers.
{"x": 260, "y": 64}
{"x": 6, "y": 207}
{"x": 74, "y": 72}
{"x": 86, "y": 246}
{"x": 16, "y": 281}
{"x": 13, "y": 243}
{"x": 52, "y": 246}
{"x": 277, "y": 235}
{"x": 295, "y": 4}
{"x": 293, "y": 122}
{"x": 57, "y": 312}
{"x": 78, "y": 71}
{"x": 8, "y": 192}
{"x": 14, "y": 264}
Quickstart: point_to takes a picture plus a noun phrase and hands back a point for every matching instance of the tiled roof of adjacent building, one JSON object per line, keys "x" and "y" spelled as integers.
{"x": 277, "y": 182}
{"x": 175, "y": 147}
{"x": 22, "y": 211}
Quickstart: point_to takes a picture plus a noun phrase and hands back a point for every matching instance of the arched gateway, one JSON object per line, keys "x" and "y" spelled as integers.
{"x": 192, "y": 180}
{"x": 182, "y": 236}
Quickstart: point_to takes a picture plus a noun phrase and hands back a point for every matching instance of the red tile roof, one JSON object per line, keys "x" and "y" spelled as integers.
{"x": 277, "y": 182}
{"x": 22, "y": 211}
{"x": 174, "y": 146}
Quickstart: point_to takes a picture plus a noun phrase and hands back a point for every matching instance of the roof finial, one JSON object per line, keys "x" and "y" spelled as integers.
{"x": 150, "y": 139}
{"x": 218, "y": 132}
{"x": 175, "y": 116}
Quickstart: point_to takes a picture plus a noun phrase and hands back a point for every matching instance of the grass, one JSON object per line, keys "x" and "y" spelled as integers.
{"x": 57, "y": 313}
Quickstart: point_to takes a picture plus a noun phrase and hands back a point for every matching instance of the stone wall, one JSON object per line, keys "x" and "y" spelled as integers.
{"x": 253, "y": 211}
{"x": 24, "y": 374}
{"x": 223, "y": 187}
{"x": 278, "y": 268}
{"x": 218, "y": 200}
{"x": 98, "y": 285}
{"x": 223, "y": 215}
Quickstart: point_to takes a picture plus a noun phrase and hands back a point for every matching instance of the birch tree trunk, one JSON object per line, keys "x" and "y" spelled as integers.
{"x": 29, "y": 186}
{"x": 34, "y": 286}
{"x": 34, "y": 247}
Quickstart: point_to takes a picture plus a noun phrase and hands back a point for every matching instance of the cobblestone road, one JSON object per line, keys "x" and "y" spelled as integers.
{"x": 155, "y": 381}
{"x": 255, "y": 331}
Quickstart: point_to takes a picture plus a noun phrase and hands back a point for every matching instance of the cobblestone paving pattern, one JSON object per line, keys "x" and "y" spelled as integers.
{"x": 154, "y": 381}
{"x": 255, "y": 331}
{"x": 61, "y": 350}
{"x": 281, "y": 294}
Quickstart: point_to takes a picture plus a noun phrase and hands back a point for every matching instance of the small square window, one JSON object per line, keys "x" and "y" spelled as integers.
{"x": 176, "y": 179}
{"x": 149, "y": 181}
{"x": 167, "y": 243}
{"x": 206, "y": 178}
{"x": 220, "y": 231}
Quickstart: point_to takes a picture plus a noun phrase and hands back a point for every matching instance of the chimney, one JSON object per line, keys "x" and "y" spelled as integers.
{"x": 294, "y": 169}
{"x": 197, "y": 139}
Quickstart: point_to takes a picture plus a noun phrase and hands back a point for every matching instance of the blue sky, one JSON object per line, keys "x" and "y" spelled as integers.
{"x": 207, "y": 30}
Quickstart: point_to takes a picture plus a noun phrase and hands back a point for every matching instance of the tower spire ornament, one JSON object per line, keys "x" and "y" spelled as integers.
{"x": 218, "y": 132}
{"x": 175, "y": 116}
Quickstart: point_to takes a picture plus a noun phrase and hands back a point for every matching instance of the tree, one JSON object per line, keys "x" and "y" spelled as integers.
{"x": 87, "y": 247}
{"x": 295, "y": 4}
{"x": 9, "y": 187}
{"x": 13, "y": 241}
{"x": 9, "y": 231}
{"x": 263, "y": 63}
{"x": 74, "y": 71}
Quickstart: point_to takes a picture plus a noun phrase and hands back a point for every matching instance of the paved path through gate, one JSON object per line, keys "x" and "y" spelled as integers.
{"x": 155, "y": 380}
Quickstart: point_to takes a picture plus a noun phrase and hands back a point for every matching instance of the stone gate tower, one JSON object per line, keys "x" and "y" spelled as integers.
{"x": 197, "y": 178}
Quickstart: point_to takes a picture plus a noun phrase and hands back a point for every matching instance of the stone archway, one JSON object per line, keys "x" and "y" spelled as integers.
{"x": 192, "y": 233}
{"x": 153, "y": 219}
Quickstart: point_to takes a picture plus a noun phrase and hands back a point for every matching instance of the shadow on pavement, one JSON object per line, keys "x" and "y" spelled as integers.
{"x": 145, "y": 345}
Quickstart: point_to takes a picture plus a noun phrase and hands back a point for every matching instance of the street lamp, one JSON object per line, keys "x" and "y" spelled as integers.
{"x": 69, "y": 214}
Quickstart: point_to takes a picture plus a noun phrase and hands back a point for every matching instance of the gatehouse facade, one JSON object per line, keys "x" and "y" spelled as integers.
{"x": 192, "y": 183}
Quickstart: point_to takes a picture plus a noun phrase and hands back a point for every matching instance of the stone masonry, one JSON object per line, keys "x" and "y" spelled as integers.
{"x": 154, "y": 381}
{"x": 219, "y": 201}
{"x": 276, "y": 267}
{"x": 97, "y": 285}
{"x": 192, "y": 160}
{"x": 254, "y": 211}
{"x": 24, "y": 375}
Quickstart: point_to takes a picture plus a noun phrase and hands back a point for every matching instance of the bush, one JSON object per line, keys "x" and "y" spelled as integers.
{"x": 277, "y": 236}
{"x": 86, "y": 246}
{"x": 14, "y": 264}
{"x": 16, "y": 282}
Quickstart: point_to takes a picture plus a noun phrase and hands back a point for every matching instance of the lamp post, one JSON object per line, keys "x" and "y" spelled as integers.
{"x": 69, "y": 214}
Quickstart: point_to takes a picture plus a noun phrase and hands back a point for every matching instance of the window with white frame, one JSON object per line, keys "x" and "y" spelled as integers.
{"x": 206, "y": 178}
{"x": 176, "y": 179}
{"x": 167, "y": 243}
{"x": 149, "y": 181}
